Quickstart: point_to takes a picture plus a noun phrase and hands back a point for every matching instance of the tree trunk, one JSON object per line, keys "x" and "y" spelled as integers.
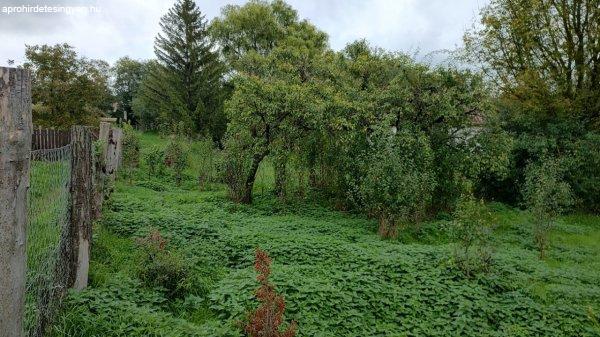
{"x": 15, "y": 150}
{"x": 247, "y": 197}
{"x": 280, "y": 176}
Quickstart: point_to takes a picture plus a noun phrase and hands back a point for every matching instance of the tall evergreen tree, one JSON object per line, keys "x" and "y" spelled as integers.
{"x": 184, "y": 88}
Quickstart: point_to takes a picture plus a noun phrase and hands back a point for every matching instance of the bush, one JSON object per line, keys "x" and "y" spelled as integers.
{"x": 546, "y": 196}
{"x": 472, "y": 228}
{"x": 584, "y": 172}
{"x": 155, "y": 159}
{"x": 398, "y": 179}
{"x": 206, "y": 160}
{"x": 176, "y": 157}
{"x": 131, "y": 149}
{"x": 235, "y": 169}
{"x": 131, "y": 146}
{"x": 162, "y": 268}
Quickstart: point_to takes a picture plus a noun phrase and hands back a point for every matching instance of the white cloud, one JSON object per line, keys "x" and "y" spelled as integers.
{"x": 128, "y": 27}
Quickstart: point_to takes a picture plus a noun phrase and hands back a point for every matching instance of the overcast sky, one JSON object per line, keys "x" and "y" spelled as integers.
{"x": 109, "y": 29}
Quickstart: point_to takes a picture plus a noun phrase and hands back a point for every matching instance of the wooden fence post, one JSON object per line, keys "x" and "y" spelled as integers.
{"x": 15, "y": 152}
{"x": 100, "y": 174}
{"x": 80, "y": 230}
{"x": 118, "y": 138}
{"x": 113, "y": 153}
{"x": 103, "y": 136}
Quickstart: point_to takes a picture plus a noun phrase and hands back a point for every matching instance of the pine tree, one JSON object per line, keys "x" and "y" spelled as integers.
{"x": 184, "y": 87}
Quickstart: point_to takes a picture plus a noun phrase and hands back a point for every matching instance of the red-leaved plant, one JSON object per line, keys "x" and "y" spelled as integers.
{"x": 267, "y": 319}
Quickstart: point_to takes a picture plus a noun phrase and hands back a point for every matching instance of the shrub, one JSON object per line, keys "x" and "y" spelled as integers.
{"x": 155, "y": 159}
{"x": 472, "y": 228}
{"x": 584, "y": 171}
{"x": 546, "y": 196}
{"x": 267, "y": 319}
{"x": 131, "y": 146}
{"x": 205, "y": 162}
{"x": 131, "y": 149}
{"x": 162, "y": 268}
{"x": 176, "y": 157}
{"x": 236, "y": 163}
{"x": 398, "y": 179}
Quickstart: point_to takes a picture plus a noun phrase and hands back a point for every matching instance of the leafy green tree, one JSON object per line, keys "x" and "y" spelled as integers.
{"x": 247, "y": 33}
{"x": 275, "y": 59}
{"x": 127, "y": 77}
{"x": 262, "y": 113}
{"x": 543, "y": 55}
{"x": 67, "y": 89}
{"x": 546, "y": 196}
{"x": 554, "y": 42}
{"x": 447, "y": 105}
{"x": 185, "y": 84}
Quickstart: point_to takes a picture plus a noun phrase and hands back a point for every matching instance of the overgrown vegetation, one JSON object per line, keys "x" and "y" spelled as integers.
{"x": 337, "y": 276}
{"x": 482, "y": 179}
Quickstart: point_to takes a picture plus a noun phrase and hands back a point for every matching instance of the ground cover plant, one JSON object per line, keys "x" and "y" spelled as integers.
{"x": 337, "y": 276}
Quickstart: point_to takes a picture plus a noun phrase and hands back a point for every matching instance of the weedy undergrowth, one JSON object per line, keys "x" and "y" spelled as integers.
{"x": 162, "y": 268}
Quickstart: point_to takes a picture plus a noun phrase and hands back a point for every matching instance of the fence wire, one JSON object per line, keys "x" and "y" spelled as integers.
{"x": 48, "y": 211}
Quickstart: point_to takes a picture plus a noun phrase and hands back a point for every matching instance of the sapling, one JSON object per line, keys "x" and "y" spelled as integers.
{"x": 472, "y": 228}
{"x": 546, "y": 196}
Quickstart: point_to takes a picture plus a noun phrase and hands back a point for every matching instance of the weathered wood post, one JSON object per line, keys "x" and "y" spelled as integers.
{"x": 103, "y": 136}
{"x": 118, "y": 138}
{"x": 80, "y": 233}
{"x": 113, "y": 153}
{"x": 100, "y": 174}
{"x": 15, "y": 151}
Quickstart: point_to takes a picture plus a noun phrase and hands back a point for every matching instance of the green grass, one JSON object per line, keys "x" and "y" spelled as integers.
{"x": 337, "y": 276}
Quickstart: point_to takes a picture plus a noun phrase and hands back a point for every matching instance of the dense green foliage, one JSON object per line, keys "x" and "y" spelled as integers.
{"x": 336, "y": 275}
{"x": 293, "y": 99}
{"x": 397, "y": 179}
{"x": 66, "y": 89}
{"x": 176, "y": 157}
{"x": 543, "y": 56}
{"x": 127, "y": 77}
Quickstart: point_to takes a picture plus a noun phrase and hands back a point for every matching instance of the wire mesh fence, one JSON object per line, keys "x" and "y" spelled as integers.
{"x": 48, "y": 213}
